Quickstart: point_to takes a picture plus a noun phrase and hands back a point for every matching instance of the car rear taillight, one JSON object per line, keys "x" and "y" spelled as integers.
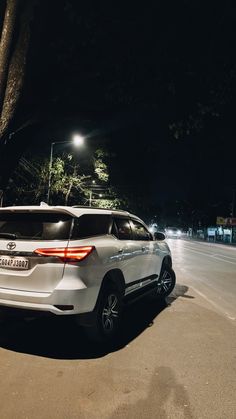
{"x": 67, "y": 254}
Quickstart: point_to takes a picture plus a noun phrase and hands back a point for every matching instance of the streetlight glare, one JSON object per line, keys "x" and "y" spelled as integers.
{"x": 78, "y": 140}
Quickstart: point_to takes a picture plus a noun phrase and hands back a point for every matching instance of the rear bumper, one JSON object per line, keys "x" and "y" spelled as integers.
{"x": 59, "y": 302}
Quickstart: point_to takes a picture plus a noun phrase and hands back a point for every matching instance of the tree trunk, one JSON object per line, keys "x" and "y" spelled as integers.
{"x": 13, "y": 58}
{"x": 71, "y": 184}
{"x": 68, "y": 192}
{"x": 6, "y": 43}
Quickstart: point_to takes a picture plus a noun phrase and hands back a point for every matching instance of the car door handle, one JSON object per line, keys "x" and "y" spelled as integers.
{"x": 120, "y": 251}
{"x": 143, "y": 249}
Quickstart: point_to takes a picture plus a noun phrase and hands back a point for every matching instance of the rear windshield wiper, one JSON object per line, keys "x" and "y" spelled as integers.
{"x": 9, "y": 236}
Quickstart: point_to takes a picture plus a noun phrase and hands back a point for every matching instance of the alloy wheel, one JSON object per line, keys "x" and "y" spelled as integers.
{"x": 110, "y": 313}
{"x": 165, "y": 283}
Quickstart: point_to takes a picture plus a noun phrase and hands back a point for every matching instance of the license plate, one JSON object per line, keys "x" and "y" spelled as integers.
{"x": 9, "y": 262}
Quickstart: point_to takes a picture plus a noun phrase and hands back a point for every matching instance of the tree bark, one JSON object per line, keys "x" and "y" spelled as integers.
{"x": 8, "y": 29}
{"x": 13, "y": 55}
{"x": 71, "y": 184}
{"x": 68, "y": 192}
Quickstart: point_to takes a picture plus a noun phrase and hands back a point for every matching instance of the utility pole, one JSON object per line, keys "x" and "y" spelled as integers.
{"x": 90, "y": 197}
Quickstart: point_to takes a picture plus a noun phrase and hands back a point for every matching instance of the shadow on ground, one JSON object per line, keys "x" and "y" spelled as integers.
{"x": 60, "y": 338}
{"x": 164, "y": 388}
{"x": 179, "y": 291}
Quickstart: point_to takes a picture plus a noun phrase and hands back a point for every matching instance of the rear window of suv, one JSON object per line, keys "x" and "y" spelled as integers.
{"x": 90, "y": 225}
{"x": 121, "y": 229}
{"x": 35, "y": 226}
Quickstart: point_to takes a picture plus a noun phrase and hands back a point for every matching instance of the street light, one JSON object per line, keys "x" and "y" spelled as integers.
{"x": 77, "y": 141}
{"x": 91, "y": 193}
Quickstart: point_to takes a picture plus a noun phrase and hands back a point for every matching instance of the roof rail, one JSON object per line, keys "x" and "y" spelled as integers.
{"x": 98, "y": 208}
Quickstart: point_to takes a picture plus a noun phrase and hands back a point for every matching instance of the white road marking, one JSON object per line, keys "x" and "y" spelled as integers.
{"x": 222, "y": 260}
{"x": 228, "y": 257}
{"x": 209, "y": 255}
{"x": 219, "y": 308}
{"x": 212, "y": 244}
{"x": 196, "y": 251}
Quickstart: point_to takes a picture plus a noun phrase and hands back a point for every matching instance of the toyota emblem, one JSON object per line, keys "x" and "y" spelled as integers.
{"x": 11, "y": 245}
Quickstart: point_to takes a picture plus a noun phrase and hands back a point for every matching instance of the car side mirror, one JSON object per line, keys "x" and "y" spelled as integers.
{"x": 159, "y": 236}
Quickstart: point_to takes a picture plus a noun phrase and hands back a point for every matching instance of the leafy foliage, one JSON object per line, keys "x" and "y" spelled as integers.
{"x": 100, "y": 166}
{"x": 70, "y": 182}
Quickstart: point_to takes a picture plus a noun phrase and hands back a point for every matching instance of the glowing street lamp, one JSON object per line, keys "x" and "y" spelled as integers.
{"x": 77, "y": 141}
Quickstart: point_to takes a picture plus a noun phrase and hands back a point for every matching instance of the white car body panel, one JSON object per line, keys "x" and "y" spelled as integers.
{"x": 50, "y": 282}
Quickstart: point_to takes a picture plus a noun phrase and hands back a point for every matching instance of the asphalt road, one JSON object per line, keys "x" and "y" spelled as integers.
{"x": 171, "y": 361}
{"x": 210, "y": 270}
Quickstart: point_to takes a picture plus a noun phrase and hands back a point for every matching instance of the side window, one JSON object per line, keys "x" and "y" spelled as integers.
{"x": 89, "y": 225}
{"x": 140, "y": 232}
{"x": 114, "y": 229}
{"x": 123, "y": 229}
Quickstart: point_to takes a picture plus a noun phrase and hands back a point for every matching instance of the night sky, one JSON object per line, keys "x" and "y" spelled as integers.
{"x": 154, "y": 81}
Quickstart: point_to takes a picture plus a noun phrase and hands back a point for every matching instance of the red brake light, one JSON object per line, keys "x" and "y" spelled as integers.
{"x": 67, "y": 254}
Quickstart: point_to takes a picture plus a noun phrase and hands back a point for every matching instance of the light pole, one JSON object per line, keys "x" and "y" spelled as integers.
{"x": 91, "y": 196}
{"x": 77, "y": 141}
{"x": 91, "y": 193}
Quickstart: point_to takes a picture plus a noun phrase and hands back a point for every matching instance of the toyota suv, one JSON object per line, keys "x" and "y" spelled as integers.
{"x": 80, "y": 261}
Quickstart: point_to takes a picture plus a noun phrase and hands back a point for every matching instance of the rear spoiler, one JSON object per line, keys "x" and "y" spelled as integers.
{"x": 36, "y": 209}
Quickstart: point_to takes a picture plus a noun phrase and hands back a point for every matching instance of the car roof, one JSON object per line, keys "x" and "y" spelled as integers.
{"x": 75, "y": 210}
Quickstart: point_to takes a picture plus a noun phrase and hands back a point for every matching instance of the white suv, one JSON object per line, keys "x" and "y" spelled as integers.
{"x": 82, "y": 261}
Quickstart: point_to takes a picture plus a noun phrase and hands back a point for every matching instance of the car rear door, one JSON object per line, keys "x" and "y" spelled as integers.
{"x": 24, "y": 236}
{"x": 128, "y": 249}
{"x": 145, "y": 243}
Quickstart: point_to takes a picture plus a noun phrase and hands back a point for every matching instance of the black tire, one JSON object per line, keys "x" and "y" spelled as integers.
{"x": 107, "y": 316}
{"x": 166, "y": 283}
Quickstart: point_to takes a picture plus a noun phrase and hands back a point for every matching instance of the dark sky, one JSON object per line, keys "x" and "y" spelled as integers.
{"x": 155, "y": 80}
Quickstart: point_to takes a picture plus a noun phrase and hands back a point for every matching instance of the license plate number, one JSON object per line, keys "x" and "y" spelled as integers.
{"x": 13, "y": 262}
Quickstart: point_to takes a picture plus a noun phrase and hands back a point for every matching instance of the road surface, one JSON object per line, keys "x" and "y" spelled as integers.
{"x": 210, "y": 269}
{"x": 174, "y": 361}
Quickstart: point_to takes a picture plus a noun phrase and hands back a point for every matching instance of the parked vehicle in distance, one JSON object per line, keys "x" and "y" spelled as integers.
{"x": 173, "y": 232}
{"x": 80, "y": 261}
